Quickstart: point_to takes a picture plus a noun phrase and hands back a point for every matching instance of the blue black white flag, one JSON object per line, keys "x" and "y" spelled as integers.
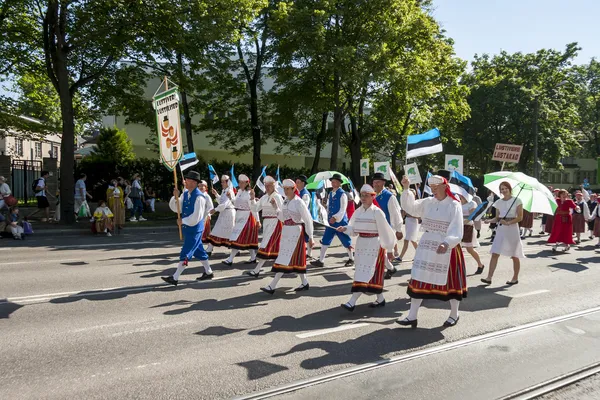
{"x": 462, "y": 185}
{"x": 213, "y": 174}
{"x": 188, "y": 161}
{"x": 429, "y": 142}
{"x": 234, "y": 181}
{"x": 479, "y": 212}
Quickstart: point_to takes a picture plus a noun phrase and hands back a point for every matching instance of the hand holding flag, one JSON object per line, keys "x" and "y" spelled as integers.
{"x": 213, "y": 174}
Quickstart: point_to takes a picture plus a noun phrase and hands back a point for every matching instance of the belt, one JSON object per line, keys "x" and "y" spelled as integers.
{"x": 368, "y": 235}
{"x": 242, "y": 209}
{"x": 290, "y": 222}
{"x": 269, "y": 217}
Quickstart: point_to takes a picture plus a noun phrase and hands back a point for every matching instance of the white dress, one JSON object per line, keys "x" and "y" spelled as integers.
{"x": 226, "y": 220}
{"x": 269, "y": 214}
{"x": 242, "y": 205}
{"x": 508, "y": 238}
{"x": 466, "y": 209}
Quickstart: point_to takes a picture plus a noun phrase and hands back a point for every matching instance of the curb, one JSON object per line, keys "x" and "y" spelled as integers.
{"x": 86, "y": 231}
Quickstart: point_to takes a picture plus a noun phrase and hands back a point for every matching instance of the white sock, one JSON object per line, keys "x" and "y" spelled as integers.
{"x": 454, "y": 308}
{"x": 308, "y": 250}
{"x": 355, "y": 296}
{"x": 253, "y": 254}
{"x": 259, "y": 266}
{"x": 323, "y": 252}
{"x": 207, "y": 269}
{"x": 380, "y": 298}
{"x": 180, "y": 268}
{"x": 209, "y": 248}
{"x": 414, "y": 308}
{"x": 303, "y": 279}
{"x": 275, "y": 280}
{"x": 388, "y": 265}
{"x": 350, "y": 253}
{"x": 232, "y": 255}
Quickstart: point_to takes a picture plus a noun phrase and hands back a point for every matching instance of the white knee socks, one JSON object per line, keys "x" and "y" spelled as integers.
{"x": 414, "y": 308}
{"x": 259, "y": 266}
{"x": 303, "y": 279}
{"x": 355, "y": 296}
{"x": 454, "y": 308}
{"x": 380, "y": 298}
{"x": 323, "y": 252}
{"x": 232, "y": 255}
{"x": 388, "y": 265}
{"x": 209, "y": 248}
{"x": 253, "y": 254}
{"x": 308, "y": 250}
{"x": 180, "y": 268}
{"x": 275, "y": 280}
{"x": 207, "y": 269}
{"x": 350, "y": 253}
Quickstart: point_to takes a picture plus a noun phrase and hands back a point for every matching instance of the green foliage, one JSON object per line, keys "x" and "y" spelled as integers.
{"x": 587, "y": 79}
{"x": 113, "y": 146}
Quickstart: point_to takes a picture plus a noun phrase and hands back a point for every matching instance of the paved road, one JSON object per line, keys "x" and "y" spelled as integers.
{"x": 90, "y": 318}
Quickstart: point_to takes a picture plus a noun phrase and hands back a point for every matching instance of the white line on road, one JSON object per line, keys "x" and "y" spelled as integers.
{"x": 90, "y": 328}
{"x": 37, "y": 262}
{"x": 152, "y": 328}
{"x": 517, "y": 295}
{"x": 331, "y": 330}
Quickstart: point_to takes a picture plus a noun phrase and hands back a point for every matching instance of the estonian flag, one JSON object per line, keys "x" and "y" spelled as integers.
{"x": 259, "y": 181}
{"x": 188, "y": 161}
{"x": 233, "y": 181}
{"x": 462, "y": 185}
{"x": 479, "y": 211}
{"x": 427, "y": 188}
{"x": 425, "y": 143}
{"x": 213, "y": 174}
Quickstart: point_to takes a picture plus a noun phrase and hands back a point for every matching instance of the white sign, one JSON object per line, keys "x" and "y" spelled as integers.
{"x": 412, "y": 173}
{"x": 454, "y": 163}
{"x": 507, "y": 152}
{"x": 166, "y": 106}
{"x": 383, "y": 167}
{"x": 364, "y": 167}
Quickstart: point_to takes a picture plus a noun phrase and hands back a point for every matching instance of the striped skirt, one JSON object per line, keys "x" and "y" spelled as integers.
{"x": 375, "y": 285}
{"x": 248, "y": 238}
{"x": 206, "y": 232}
{"x": 298, "y": 261}
{"x": 527, "y": 221}
{"x": 271, "y": 251}
{"x": 579, "y": 225}
{"x": 455, "y": 287}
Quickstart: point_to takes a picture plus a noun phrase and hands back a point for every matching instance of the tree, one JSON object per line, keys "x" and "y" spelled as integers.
{"x": 113, "y": 146}
{"x": 587, "y": 79}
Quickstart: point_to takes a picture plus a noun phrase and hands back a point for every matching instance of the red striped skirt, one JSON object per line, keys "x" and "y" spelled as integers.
{"x": 248, "y": 238}
{"x": 271, "y": 251}
{"x": 455, "y": 287}
{"x": 206, "y": 232}
{"x": 579, "y": 225}
{"x": 217, "y": 241}
{"x": 298, "y": 260}
{"x": 527, "y": 221}
{"x": 375, "y": 285}
{"x": 549, "y": 223}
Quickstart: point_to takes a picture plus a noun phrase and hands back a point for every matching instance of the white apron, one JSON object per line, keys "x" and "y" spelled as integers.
{"x": 297, "y": 211}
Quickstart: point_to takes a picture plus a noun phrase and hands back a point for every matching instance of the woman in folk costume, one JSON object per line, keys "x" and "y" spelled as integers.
{"x": 219, "y": 236}
{"x": 469, "y": 240}
{"x": 376, "y": 241}
{"x": 208, "y": 207}
{"x": 115, "y": 197}
{"x": 103, "y": 219}
{"x": 562, "y": 227}
{"x": 244, "y": 235}
{"x": 297, "y": 222}
{"x": 580, "y": 217}
{"x": 592, "y": 206}
{"x": 411, "y": 230}
{"x": 595, "y": 219}
{"x": 438, "y": 270}
{"x": 526, "y": 224}
{"x": 193, "y": 212}
{"x": 272, "y": 226}
{"x": 509, "y": 211}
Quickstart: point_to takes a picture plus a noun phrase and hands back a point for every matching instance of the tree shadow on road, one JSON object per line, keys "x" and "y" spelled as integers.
{"x": 571, "y": 267}
{"x": 479, "y": 298}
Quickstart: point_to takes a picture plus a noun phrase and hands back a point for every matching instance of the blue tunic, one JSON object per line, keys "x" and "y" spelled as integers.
{"x": 383, "y": 199}
{"x": 192, "y": 235}
{"x": 334, "y": 208}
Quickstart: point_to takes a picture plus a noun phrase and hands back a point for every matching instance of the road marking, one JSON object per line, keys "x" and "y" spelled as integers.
{"x": 38, "y": 261}
{"x": 576, "y": 330}
{"x": 295, "y": 386}
{"x": 331, "y": 330}
{"x": 517, "y": 295}
{"x": 152, "y": 328}
{"x": 90, "y": 328}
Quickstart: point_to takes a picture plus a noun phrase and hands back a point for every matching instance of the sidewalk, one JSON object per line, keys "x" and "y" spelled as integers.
{"x": 83, "y": 227}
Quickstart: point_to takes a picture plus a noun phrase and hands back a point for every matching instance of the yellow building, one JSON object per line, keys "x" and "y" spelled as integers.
{"x": 574, "y": 172}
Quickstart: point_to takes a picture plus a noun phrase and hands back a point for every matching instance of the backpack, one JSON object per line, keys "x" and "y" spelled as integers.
{"x": 35, "y": 185}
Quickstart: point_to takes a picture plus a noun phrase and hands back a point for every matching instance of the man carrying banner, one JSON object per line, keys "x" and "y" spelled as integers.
{"x": 272, "y": 227}
{"x": 337, "y": 203}
{"x": 222, "y": 230}
{"x": 438, "y": 270}
{"x": 390, "y": 207}
{"x": 209, "y": 206}
{"x": 193, "y": 212}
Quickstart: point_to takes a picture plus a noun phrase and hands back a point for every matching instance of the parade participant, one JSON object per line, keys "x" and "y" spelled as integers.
{"x": 551, "y": 217}
{"x": 411, "y": 230}
{"x": 337, "y": 203}
{"x": 375, "y": 237}
{"x": 509, "y": 211}
{"x": 477, "y": 224}
{"x": 193, "y": 212}
{"x": 272, "y": 227}
{"x": 526, "y": 224}
{"x": 595, "y": 219}
{"x": 469, "y": 241}
{"x": 244, "y": 235}
{"x": 219, "y": 236}
{"x": 492, "y": 212}
{"x": 351, "y": 204}
{"x": 438, "y": 270}
{"x": 209, "y": 206}
{"x": 392, "y": 211}
{"x": 562, "y": 226}
{"x": 592, "y": 204}
{"x": 297, "y": 222}
{"x": 305, "y": 196}
{"x": 580, "y": 217}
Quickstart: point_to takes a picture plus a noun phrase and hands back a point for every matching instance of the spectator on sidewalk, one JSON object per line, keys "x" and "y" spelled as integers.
{"x": 150, "y": 198}
{"x": 115, "y": 195}
{"x": 4, "y": 193}
{"x": 41, "y": 196}
{"x": 103, "y": 219}
{"x": 136, "y": 198}
{"x": 81, "y": 194}
{"x": 13, "y": 224}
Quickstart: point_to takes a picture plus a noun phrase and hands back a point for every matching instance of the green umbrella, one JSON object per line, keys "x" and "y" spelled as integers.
{"x": 314, "y": 182}
{"x": 536, "y": 197}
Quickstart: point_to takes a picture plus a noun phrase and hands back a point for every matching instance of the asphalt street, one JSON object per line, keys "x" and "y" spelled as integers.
{"x": 90, "y": 318}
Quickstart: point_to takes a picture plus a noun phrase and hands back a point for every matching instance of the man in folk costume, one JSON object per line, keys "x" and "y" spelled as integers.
{"x": 193, "y": 212}
{"x": 392, "y": 211}
{"x": 375, "y": 245}
{"x": 272, "y": 226}
{"x": 337, "y": 203}
{"x": 244, "y": 235}
{"x": 209, "y": 206}
{"x": 219, "y": 236}
{"x": 438, "y": 270}
{"x": 297, "y": 222}
{"x": 305, "y": 196}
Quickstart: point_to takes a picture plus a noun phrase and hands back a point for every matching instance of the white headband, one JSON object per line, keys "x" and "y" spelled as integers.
{"x": 289, "y": 183}
{"x": 243, "y": 178}
{"x": 268, "y": 179}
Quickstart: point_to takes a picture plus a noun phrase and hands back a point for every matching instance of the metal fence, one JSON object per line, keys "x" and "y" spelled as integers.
{"x": 24, "y": 173}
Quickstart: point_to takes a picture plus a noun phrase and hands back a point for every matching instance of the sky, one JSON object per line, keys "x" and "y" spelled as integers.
{"x": 490, "y": 26}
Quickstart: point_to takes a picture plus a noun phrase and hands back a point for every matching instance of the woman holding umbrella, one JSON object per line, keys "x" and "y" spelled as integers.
{"x": 562, "y": 227}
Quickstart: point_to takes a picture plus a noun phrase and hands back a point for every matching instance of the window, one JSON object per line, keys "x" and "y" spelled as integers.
{"x": 38, "y": 150}
{"x": 19, "y": 147}
{"x": 54, "y": 151}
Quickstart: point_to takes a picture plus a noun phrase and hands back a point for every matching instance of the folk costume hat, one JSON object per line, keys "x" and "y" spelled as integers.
{"x": 193, "y": 175}
{"x": 336, "y": 177}
{"x": 203, "y": 182}
{"x": 288, "y": 183}
{"x": 268, "y": 179}
{"x": 378, "y": 176}
{"x": 302, "y": 178}
{"x": 243, "y": 178}
{"x": 367, "y": 189}
{"x": 440, "y": 180}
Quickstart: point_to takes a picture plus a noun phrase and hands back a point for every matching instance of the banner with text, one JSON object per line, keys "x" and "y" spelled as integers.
{"x": 166, "y": 106}
{"x": 507, "y": 152}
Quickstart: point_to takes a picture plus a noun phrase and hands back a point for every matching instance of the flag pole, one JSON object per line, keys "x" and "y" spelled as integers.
{"x": 166, "y": 82}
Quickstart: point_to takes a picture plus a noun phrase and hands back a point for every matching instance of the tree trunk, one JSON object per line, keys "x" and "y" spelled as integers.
{"x": 187, "y": 119}
{"x": 319, "y": 144}
{"x": 337, "y": 124}
{"x": 67, "y": 148}
{"x": 256, "y": 133}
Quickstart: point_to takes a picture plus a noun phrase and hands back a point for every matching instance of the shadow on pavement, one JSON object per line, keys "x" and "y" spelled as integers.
{"x": 258, "y": 369}
{"x": 8, "y": 308}
{"x": 571, "y": 267}
{"x": 479, "y": 298}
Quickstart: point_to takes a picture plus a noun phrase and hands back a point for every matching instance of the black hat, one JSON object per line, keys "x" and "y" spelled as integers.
{"x": 302, "y": 178}
{"x": 444, "y": 174}
{"x": 194, "y": 175}
{"x": 378, "y": 176}
{"x": 337, "y": 177}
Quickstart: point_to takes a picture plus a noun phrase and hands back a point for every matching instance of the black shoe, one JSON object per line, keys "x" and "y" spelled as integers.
{"x": 253, "y": 274}
{"x": 205, "y": 277}
{"x": 229, "y": 264}
{"x": 479, "y": 270}
{"x": 349, "y": 263}
{"x": 169, "y": 279}
{"x": 509, "y": 283}
{"x": 407, "y": 322}
{"x": 209, "y": 253}
{"x": 317, "y": 263}
{"x": 486, "y": 281}
{"x": 251, "y": 262}
{"x": 449, "y": 323}
{"x": 478, "y": 234}
{"x": 301, "y": 288}
{"x": 389, "y": 273}
{"x": 348, "y": 307}
{"x": 377, "y": 304}
{"x": 268, "y": 290}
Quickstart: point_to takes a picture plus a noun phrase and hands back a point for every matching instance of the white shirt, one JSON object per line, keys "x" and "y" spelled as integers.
{"x": 264, "y": 205}
{"x": 503, "y": 207}
{"x": 395, "y": 213}
{"x": 343, "y": 204}
{"x": 80, "y": 184}
{"x": 224, "y": 200}
{"x": 297, "y": 211}
{"x": 466, "y": 209}
{"x": 372, "y": 220}
{"x": 4, "y": 190}
{"x": 208, "y": 204}
{"x": 42, "y": 184}
{"x": 199, "y": 209}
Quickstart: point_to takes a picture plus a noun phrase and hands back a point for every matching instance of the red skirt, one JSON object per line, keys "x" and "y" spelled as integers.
{"x": 272, "y": 250}
{"x": 527, "y": 221}
{"x": 562, "y": 230}
{"x": 298, "y": 261}
{"x": 248, "y": 238}
{"x": 206, "y": 232}
{"x": 217, "y": 241}
{"x": 549, "y": 223}
{"x": 579, "y": 225}
{"x": 455, "y": 288}
{"x": 375, "y": 285}
{"x": 597, "y": 227}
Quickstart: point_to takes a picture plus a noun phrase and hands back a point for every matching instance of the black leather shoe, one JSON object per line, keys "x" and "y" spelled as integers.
{"x": 348, "y": 307}
{"x": 169, "y": 279}
{"x": 229, "y": 264}
{"x": 349, "y": 263}
{"x": 408, "y": 322}
{"x": 209, "y": 253}
{"x": 479, "y": 270}
{"x": 253, "y": 274}
{"x": 205, "y": 277}
{"x": 268, "y": 290}
{"x": 317, "y": 263}
{"x": 451, "y": 321}
{"x": 301, "y": 288}
{"x": 486, "y": 281}
{"x": 376, "y": 304}
{"x": 251, "y": 262}
{"x": 389, "y": 273}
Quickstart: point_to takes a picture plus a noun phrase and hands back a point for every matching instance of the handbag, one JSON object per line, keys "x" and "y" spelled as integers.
{"x": 27, "y": 229}
{"x": 84, "y": 210}
{"x": 10, "y": 200}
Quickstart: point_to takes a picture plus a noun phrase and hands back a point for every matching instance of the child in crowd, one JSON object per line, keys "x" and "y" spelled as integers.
{"x": 103, "y": 219}
{"x": 13, "y": 224}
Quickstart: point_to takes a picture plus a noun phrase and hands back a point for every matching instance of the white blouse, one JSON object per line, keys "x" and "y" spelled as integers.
{"x": 297, "y": 211}
{"x": 372, "y": 221}
{"x": 264, "y": 205}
